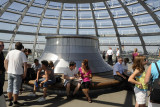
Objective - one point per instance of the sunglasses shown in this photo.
(1, 45)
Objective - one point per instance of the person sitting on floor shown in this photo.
(120, 75)
(70, 75)
(47, 79)
(86, 75)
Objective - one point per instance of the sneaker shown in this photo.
(31, 95)
(41, 99)
(10, 103)
(17, 104)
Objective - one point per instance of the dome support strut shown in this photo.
(135, 25)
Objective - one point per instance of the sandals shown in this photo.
(89, 100)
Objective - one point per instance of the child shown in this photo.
(139, 74)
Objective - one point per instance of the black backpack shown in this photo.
(155, 92)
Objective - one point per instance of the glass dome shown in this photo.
(117, 23)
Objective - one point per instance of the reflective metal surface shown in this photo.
(61, 49)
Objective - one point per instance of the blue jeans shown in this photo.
(14, 83)
(45, 84)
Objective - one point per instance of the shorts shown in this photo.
(85, 85)
(73, 82)
(140, 95)
(45, 84)
(14, 83)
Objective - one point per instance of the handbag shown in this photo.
(155, 92)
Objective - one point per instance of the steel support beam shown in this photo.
(59, 19)
(153, 15)
(6, 7)
(115, 26)
(18, 24)
(94, 19)
(38, 28)
(77, 30)
(135, 25)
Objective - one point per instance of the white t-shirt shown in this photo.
(16, 58)
(109, 52)
(117, 54)
(70, 73)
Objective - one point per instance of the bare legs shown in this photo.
(44, 91)
(15, 96)
(140, 105)
(86, 93)
(76, 89)
(68, 88)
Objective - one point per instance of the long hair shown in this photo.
(85, 62)
(135, 50)
(138, 63)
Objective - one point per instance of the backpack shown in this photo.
(155, 92)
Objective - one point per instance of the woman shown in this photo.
(152, 71)
(86, 75)
(134, 54)
(139, 74)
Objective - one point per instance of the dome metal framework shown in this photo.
(101, 18)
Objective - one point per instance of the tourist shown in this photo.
(48, 79)
(109, 55)
(104, 55)
(14, 61)
(86, 75)
(152, 72)
(137, 78)
(51, 65)
(117, 54)
(134, 54)
(125, 64)
(2, 69)
(2, 75)
(27, 52)
(120, 75)
(70, 76)
(36, 65)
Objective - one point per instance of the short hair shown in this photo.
(72, 63)
(36, 60)
(44, 62)
(18, 46)
(119, 57)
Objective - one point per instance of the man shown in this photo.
(70, 76)
(120, 75)
(14, 61)
(109, 55)
(2, 75)
(47, 79)
(36, 65)
(117, 54)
